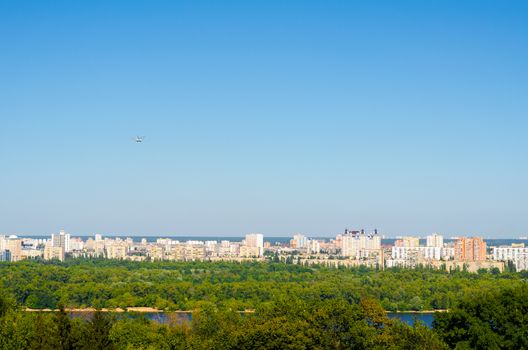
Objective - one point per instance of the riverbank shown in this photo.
(90, 309)
(138, 309)
(418, 311)
(180, 316)
(144, 309)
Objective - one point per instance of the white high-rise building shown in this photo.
(3, 242)
(76, 244)
(516, 254)
(357, 244)
(435, 240)
(61, 240)
(434, 253)
(299, 241)
(255, 240)
(14, 245)
(349, 246)
(313, 246)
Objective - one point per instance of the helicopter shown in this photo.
(139, 139)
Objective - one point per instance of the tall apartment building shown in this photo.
(299, 241)
(61, 240)
(53, 252)
(255, 240)
(5, 255)
(249, 252)
(357, 244)
(76, 243)
(516, 254)
(184, 252)
(433, 253)
(227, 249)
(116, 250)
(313, 246)
(14, 245)
(95, 246)
(435, 240)
(470, 249)
(3, 242)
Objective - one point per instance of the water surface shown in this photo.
(411, 318)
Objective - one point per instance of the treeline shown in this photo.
(295, 307)
(483, 320)
(487, 320)
(286, 324)
(105, 283)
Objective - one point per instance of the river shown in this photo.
(410, 318)
(180, 317)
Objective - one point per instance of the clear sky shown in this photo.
(264, 116)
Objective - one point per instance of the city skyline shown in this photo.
(383, 235)
(277, 116)
(349, 248)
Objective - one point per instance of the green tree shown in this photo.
(98, 331)
(487, 319)
(5, 305)
(41, 332)
(65, 337)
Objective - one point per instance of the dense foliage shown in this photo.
(293, 307)
(181, 285)
(286, 324)
(487, 320)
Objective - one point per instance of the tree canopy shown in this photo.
(291, 306)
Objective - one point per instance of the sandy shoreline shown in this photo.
(140, 309)
(90, 309)
(417, 311)
(144, 309)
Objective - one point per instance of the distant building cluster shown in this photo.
(61, 245)
(516, 254)
(355, 248)
(408, 252)
(350, 248)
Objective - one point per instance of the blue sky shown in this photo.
(264, 116)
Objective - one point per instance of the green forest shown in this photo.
(295, 307)
(106, 283)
